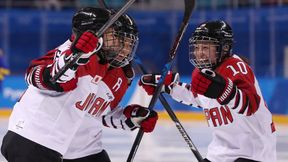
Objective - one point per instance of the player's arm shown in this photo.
(236, 90)
(41, 70)
(246, 100)
(179, 91)
(131, 117)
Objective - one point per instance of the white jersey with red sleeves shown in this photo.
(88, 138)
(53, 118)
(241, 129)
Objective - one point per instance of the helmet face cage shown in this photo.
(119, 47)
(203, 57)
(120, 42)
(214, 33)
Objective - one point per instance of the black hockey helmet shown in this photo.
(120, 42)
(89, 18)
(216, 32)
(116, 39)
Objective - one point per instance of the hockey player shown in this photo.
(225, 87)
(86, 145)
(47, 117)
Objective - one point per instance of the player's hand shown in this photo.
(140, 117)
(67, 81)
(149, 82)
(60, 60)
(87, 43)
(210, 84)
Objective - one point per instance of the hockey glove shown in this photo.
(149, 82)
(88, 43)
(210, 84)
(140, 117)
(67, 81)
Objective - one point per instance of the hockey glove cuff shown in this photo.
(212, 85)
(149, 82)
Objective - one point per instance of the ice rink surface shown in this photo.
(166, 144)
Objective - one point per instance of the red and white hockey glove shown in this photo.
(60, 60)
(40, 77)
(68, 80)
(140, 117)
(88, 43)
(210, 84)
(149, 82)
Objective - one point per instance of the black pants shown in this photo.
(238, 160)
(100, 157)
(16, 148)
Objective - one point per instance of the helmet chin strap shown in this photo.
(105, 56)
(101, 55)
(224, 51)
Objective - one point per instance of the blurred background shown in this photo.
(30, 28)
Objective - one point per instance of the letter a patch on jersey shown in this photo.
(117, 85)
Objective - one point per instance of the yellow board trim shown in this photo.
(4, 113)
(181, 115)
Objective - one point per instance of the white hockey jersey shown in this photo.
(88, 138)
(51, 118)
(241, 129)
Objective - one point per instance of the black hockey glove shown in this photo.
(210, 84)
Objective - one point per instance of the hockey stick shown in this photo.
(99, 33)
(189, 5)
(173, 116)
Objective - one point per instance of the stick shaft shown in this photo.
(173, 116)
(180, 128)
(189, 6)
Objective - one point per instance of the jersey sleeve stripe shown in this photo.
(122, 126)
(244, 104)
(104, 121)
(112, 123)
(237, 100)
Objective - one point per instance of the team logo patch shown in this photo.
(96, 79)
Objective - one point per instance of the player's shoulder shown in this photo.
(116, 80)
(114, 75)
(233, 61)
(235, 66)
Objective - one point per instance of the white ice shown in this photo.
(166, 144)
